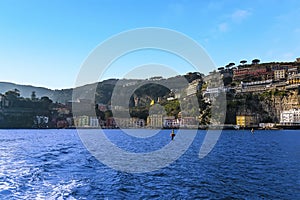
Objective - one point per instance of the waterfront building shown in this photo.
(110, 122)
(266, 125)
(129, 122)
(170, 122)
(123, 122)
(245, 120)
(290, 117)
(155, 121)
(94, 122)
(189, 122)
(140, 123)
(81, 121)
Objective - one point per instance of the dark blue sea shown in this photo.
(54, 164)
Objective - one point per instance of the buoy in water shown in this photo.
(172, 134)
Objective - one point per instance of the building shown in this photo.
(110, 123)
(140, 123)
(262, 73)
(210, 94)
(294, 79)
(256, 86)
(81, 121)
(279, 74)
(290, 117)
(41, 121)
(245, 120)
(292, 71)
(94, 122)
(155, 121)
(266, 125)
(189, 122)
(123, 122)
(170, 122)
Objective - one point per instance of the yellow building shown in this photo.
(81, 121)
(245, 120)
(294, 79)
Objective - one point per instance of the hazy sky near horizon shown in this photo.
(44, 43)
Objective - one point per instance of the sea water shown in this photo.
(54, 164)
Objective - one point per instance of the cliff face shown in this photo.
(266, 106)
(277, 102)
(289, 101)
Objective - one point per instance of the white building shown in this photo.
(291, 116)
(94, 122)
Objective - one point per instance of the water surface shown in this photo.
(54, 164)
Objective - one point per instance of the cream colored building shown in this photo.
(155, 121)
(279, 74)
(81, 121)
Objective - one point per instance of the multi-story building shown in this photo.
(170, 122)
(292, 71)
(94, 122)
(279, 74)
(155, 121)
(245, 120)
(294, 79)
(256, 86)
(81, 121)
(262, 73)
(291, 116)
(140, 123)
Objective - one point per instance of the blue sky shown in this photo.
(44, 43)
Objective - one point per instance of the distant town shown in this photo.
(258, 95)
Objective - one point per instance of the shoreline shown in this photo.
(165, 128)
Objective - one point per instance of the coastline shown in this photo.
(279, 127)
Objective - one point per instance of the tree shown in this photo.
(12, 96)
(46, 102)
(243, 62)
(33, 96)
(230, 65)
(255, 61)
